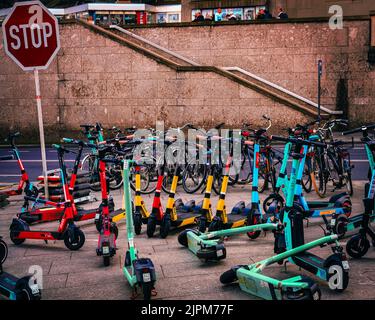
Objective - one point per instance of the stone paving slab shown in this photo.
(81, 274)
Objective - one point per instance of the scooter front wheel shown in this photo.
(74, 241)
(357, 246)
(151, 227)
(165, 225)
(147, 288)
(229, 276)
(106, 261)
(137, 220)
(3, 251)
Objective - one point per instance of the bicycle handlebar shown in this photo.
(61, 148)
(361, 129)
(80, 142)
(298, 141)
(3, 158)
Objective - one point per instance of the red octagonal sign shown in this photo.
(31, 35)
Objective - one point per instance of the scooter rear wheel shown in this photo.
(340, 226)
(311, 293)
(357, 246)
(252, 221)
(76, 242)
(182, 237)
(342, 275)
(16, 227)
(24, 292)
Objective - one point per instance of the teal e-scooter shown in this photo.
(338, 205)
(289, 244)
(210, 246)
(139, 272)
(14, 288)
(359, 244)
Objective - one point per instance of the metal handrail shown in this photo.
(311, 103)
(176, 55)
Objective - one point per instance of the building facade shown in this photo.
(248, 9)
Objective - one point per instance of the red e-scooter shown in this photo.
(24, 183)
(54, 211)
(108, 230)
(67, 231)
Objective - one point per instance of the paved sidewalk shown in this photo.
(81, 275)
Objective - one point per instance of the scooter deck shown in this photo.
(185, 218)
(311, 263)
(7, 284)
(236, 220)
(118, 215)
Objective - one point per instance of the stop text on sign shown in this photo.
(31, 35)
(38, 34)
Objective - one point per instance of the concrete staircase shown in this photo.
(236, 74)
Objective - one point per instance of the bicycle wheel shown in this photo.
(348, 182)
(148, 175)
(194, 176)
(263, 175)
(306, 178)
(317, 177)
(90, 165)
(114, 174)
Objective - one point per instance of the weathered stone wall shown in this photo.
(97, 79)
(287, 54)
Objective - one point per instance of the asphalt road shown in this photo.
(31, 158)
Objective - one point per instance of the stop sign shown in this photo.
(31, 35)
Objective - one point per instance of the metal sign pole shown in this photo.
(41, 131)
(320, 72)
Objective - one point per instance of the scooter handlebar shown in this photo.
(361, 129)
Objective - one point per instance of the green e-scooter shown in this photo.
(139, 272)
(289, 244)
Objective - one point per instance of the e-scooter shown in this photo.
(173, 216)
(14, 288)
(359, 244)
(108, 231)
(289, 244)
(139, 272)
(73, 237)
(54, 210)
(339, 204)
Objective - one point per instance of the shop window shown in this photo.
(174, 17)
(161, 18)
(130, 19)
(249, 13)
